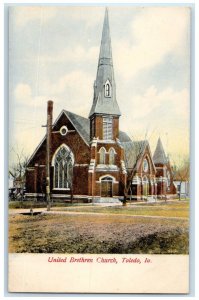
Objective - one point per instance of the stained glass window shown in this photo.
(63, 168)
(111, 156)
(102, 155)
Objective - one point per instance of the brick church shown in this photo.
(90, 158)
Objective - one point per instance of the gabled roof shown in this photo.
(123, 137)
(82, 125)
(159, 156)
(133, 150)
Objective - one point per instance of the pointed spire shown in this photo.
(105, 49)
(159, 156)
(104, 100)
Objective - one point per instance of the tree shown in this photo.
(133, 154)
(182, 172)
(18, 168)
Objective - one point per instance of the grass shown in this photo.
(97, 234)
(175, 209)
(39, 204)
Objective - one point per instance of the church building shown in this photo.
(90, 158)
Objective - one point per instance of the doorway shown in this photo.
(107, 187)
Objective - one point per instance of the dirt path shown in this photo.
(111, 214)
(44, 211)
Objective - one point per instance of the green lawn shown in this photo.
(168, 209)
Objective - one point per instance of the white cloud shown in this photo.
(23, 95)
(22, 92)
(90, 15)
(76, 82)
(25, 14)
(73, 91)
(159, 113)
(163, 111)
(155, 33)
(78, 54)
(176, 101)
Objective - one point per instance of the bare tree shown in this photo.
(182, 172)
(18, 168)
(133, 154)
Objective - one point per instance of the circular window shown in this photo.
(63, 130)
(145, 165)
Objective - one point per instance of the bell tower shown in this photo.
(107, 173)
(105, 112)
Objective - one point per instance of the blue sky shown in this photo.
(53, 54)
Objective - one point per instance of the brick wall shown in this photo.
(35, 177)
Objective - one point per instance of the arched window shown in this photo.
(145, 165)
(107, 89)
(145, 186)
(63, 168)
(111, 156)
(102, 155)
(168, 179)
(92, 128)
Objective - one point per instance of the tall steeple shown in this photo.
(104, 99)
(159, 156)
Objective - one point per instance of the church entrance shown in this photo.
(107, 187)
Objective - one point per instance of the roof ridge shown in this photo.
(67, 111)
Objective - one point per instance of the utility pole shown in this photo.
(48, 151)
(48, 163)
